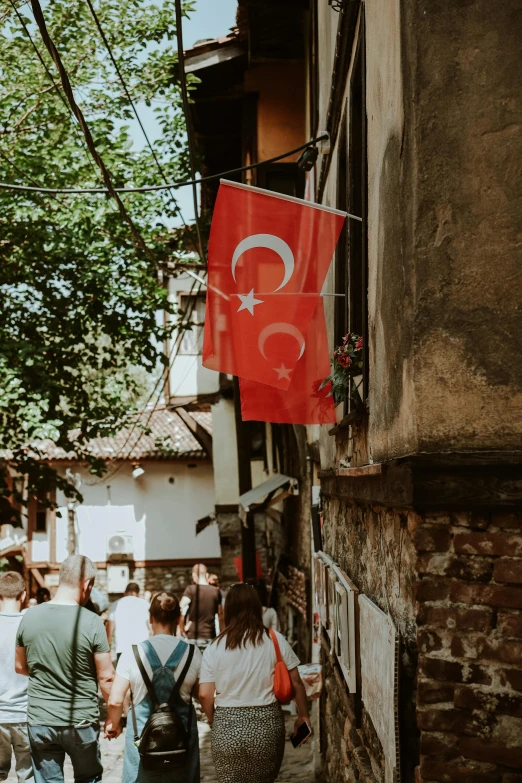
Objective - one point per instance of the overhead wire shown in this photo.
(64, 77)
(132, 104)
(49, 74)
(185, 317)
(181, 184)
(188, 122)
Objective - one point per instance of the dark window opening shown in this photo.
(286, 178)
(40, 524)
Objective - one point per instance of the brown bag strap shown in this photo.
(276, 645)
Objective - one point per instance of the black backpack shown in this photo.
(164, 741)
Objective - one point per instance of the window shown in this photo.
(192, 340)
(285, 178)
(40, 520)
(351, 263)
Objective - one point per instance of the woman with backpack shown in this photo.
(239, 690)
(161, 742)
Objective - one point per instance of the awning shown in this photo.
(263, 491)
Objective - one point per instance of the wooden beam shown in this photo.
(37, 575)
(203, 437)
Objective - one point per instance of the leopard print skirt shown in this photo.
(248, 743)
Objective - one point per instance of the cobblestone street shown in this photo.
(297, 764)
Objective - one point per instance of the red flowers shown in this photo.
(359, 344)
(347, 361)
(344, 360)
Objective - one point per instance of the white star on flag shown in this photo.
(248, 302)
(283, 373)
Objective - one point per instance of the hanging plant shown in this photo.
(347, 362)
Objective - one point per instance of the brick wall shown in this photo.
(469, 637)
(452, 583)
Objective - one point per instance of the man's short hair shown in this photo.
(76, 570)
(199, 571)
(133, 587)
(12, 585)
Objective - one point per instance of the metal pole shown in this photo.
(248, 532)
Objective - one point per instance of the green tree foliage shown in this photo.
(79, 300)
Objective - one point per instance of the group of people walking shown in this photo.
(56, 658)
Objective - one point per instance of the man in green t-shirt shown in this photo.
(62, 647)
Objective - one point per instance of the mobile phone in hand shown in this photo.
(302, 734)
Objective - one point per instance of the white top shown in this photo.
(13, 686)
(164, 644)
(244, 677)
(130, 616)
(270, 618)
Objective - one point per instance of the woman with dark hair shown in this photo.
(237, 693)
(163, 657)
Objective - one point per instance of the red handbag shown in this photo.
(283, 686)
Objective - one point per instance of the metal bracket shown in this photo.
(324, 145)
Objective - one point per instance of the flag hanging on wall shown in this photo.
(267, 261)
(304, 402)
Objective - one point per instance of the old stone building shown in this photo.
(417, 582)
(421, 480)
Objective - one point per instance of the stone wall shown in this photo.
(469, 638)
(452, 582)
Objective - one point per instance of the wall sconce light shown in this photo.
(137, 472)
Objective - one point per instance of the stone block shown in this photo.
(508, 569)
(429, 641)
(469, 568)
(511, 678)
(442, 745)
(469, 698)
(508, 520)
(486, 595)
(454, 721)
(432, 768)
(454, 671)
(432, 590)
(431, 539)
(433, 692)
(492, 544)
(493, 752)
(510, 624)
(452, 617)
(503, 650)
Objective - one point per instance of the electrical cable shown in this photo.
(172, 357)
(188, 121)
(133, 106)
(152, 188)
(40, 21)
(49, 74)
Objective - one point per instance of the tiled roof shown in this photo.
(160, 435)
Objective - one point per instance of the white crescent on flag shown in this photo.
(271, 242)
(280, 328)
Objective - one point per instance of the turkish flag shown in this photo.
(303, 402)
(268, 258)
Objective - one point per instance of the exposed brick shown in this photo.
(488, 544)
(511, 678)
(453, 671)
(510, 623)
(429, 641)
(433, 692)
(469, 698)
(444, 746)
(512, 777)
(452, 773)
(431, 539)
(437, 519)
(432, 590)
(482, 750)
(488, 595)
(471, 519)
(452, 617)
(471, 569)
(503, 650)
(455, 721)
(507, 520)
(508, 569)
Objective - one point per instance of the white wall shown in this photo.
(224, 448)
(160, 515)
(188, 377)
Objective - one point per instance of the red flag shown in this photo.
(268, 257)
(303, 402)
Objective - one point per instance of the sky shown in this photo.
(210, 19)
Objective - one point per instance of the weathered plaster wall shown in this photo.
(463, 67)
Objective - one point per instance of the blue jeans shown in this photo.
(49, 744)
